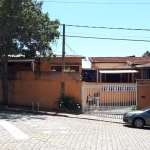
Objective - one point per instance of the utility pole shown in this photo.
(63, 49)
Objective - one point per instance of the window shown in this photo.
(75, 68)
(59, 68)
(146, 73)
(56, 68)
(10, 64)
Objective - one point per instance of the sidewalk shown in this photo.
(45, 112)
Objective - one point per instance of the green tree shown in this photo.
(146, 54)
(24, 29)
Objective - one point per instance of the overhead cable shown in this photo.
(105, 35)
(71, 49)
(134, 40)
(95, 3)
(106, 27)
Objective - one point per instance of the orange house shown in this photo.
(112, 80)
(73, 63)
(40, 81)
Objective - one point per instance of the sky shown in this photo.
(129, 15)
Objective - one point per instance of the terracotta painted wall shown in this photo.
(45, 87)
(46, 66)
(143, 96)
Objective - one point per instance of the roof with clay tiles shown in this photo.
(129, 60)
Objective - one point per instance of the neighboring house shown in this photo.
(117, 69)
(113, 82)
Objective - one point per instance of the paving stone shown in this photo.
(54, 133)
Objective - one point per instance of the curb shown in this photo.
(55, 114)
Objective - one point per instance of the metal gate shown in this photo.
(108, 98)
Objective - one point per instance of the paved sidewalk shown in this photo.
(27, 131)
(79, 116)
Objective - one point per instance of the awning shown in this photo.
(117, 71)
(143, 66)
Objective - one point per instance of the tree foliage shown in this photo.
(28, 28)
(24, 29)
(146, 54)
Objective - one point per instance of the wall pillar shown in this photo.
(97, 76)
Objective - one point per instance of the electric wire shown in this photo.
(75, 53)
(96, 3)
(57, 47)
(100, 27)
(112, 28)
(71, 49)
(133, 40)
(105, 35)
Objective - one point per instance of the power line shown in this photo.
(71, 49)
(95, 3)
(79, 26)
(133, 40)
(57, 47)
(75, 53)
(99, 27)
(106, 35)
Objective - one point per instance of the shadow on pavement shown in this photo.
(144, 128)
(15, 116)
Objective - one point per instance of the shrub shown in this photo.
(68, 103)
(133, 107)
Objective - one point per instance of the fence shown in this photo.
(110, 98)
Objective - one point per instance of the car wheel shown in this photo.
(138, 123)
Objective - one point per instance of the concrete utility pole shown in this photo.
(63, 49)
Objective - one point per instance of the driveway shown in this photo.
(43, 132)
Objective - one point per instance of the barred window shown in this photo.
(146, 73)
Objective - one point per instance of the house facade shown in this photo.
(73, 63)
(40, 82)
(117, 69)
(111, 83)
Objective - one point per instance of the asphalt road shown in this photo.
(41, 132)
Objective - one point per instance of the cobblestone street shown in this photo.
(42, 132)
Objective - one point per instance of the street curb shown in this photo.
(54, 114)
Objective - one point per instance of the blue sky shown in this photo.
(104, 15)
